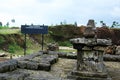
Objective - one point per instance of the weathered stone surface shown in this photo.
(3, 76)
(104, 42)
(86, 78)
(101, 42)
(13, 64)
(52, 59)
(9, 65)
(46, 58)
(32, 65)
(89, 74)
(112, 58)
(30, 56)
(80, 75)
(31, 78)
(89, 32)
(59, 72)
(40, 62)
(74, 56)
(13, 75)
(53, 47)
(118, 50)
(22, 64)
(69, 55)
(91, 23)
(44, 66)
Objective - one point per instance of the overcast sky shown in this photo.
(55, 11)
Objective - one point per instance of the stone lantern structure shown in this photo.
(89, 55)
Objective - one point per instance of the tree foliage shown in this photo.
(0, 23)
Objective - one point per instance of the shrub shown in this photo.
(64, 43)
(13, 47)
(2, 40)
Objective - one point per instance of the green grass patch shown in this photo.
(2, 40)
(12, 48)
(9, 31)
(64, 43)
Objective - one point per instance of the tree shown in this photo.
(64, 22)
(75, 24)
(0, 23)
(103, 24)
(7, 24)
(13, 20)
(115, 24)
(61, 23)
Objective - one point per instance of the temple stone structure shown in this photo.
(89, 55)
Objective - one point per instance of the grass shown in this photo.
(15, 49)
(66, 50)
(31, 46)
(9, 31)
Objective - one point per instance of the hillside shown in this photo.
(11, 40)
(66, 32)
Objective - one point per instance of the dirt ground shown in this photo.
(61, 69)
(3, 59)
(64, 66)
(113, 69)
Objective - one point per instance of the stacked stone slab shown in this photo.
(9, 70)
(89, 56)
(118, 50)
(31, 78)
(9, 65)
(14, 75)
(52, 47)
(68, 55)
(39, 62)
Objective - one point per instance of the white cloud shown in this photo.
(116, 12)
(55, 11)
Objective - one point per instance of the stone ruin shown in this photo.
(91, 23)
(52, 47)
(118, 50)
(89, 55)
(89, 60)
(17, 69)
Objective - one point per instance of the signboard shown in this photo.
(34, 29)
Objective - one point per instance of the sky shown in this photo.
(52, 12)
